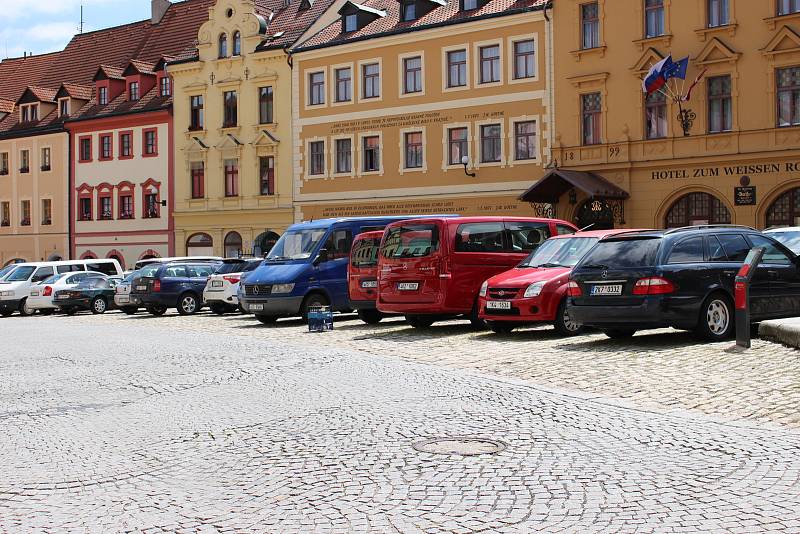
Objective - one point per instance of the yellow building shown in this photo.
(620, 159)
(232, 116)
(393, 96)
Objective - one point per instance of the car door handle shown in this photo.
(729, 273)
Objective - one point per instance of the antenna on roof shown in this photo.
(80, 27)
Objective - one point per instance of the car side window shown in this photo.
(735, 246)
(480, 237)
(772, 254)
(43, 273)
(564, 230)
(175, 271)
(338, 244)
(715, 250)
(200, 271)
(75, 278)
(64, 269)
(687, 251)
(526, 237)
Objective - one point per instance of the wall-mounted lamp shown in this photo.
(465, 162)
(163, 203)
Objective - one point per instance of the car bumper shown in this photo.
(126, 301)
(73, 303)
(530, 310)
(38, 303)
(220, 296)
(7, 305)
(652, 312)
(363, 304)
(281, 306)
(157, 300)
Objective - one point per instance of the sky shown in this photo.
(40, 26)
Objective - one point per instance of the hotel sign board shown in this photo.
(744, 196)
(725, 170)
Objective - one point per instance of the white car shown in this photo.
(5, 271)
(789, 236)
(41, 295)
(222, 287)
(122, 295)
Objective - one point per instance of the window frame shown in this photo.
(794, 98)
(101, 139)
(660, 8)
(270, 177)
(650, 106)
(498, 141)
(710, 99)
(48, 211)
(534, 54)
(795, 8)
(320, 156)
(126, 190)
(197, 179)
(230, 175)
(230, 109)
(722, 7)
(419, 147)
(335, 86)
(122, 135)
(418, 74)
(592, 23)
(480, 60)
(363, 137)
(462, 66)
(515, 135)
(145, 132)
(336, 152)
(134, 91)
(196, 112)
(316, 88)
(25, 219)
(24, 160)
(46, 159)
(105, 191)
(362, 66)
(450, 143)
(266, 104)
(597, 122)
(84, 140)
(164, 86)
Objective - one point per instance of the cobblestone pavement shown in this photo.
(136, 424)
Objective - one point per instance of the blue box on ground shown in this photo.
(320, 319)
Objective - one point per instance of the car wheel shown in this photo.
(619, 333)
(420, 321)
(130, 311)
(716, 321)
(157, 310)
(6, 313)
(24, 309)
(314, 299)
(370, 316)
(267, 319)
(500, 328)
(99, 306)
(46, 311)
(218, 308)
(563, 324)
(187, 304)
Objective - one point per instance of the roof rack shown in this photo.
(706, 226)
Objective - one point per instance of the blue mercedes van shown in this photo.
(307, 267)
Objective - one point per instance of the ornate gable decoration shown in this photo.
(785, 41)
(716, 52)
(650, 57)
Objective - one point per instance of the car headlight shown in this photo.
(282, 288)
(484, 288)
(534, 290)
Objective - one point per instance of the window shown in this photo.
(164, 85)
(45, 158)
(105, 211)
(697, 208)
(63, 107)
(150, 143)
(338, 244)
(785, 7)
(527, 236)
(720, 109)
(25, 161)
(343, 84)
(344, 161)
(133, 91)
(3, 163)
(198, 179)
(457, 68)
(480, 237)
(350, 23)
(102, 95)
(85, 209)
(412, 75)
(151, 205)
(125, 145)
(788, 96)
(469, 4)
(687, 251)
(718, 13)
(230, 120)
(372, 155)
(316, 88)
(525, 140)
(715, 250)
(231, 178)
(457, 141)
(590, 26)
(237, 43)
(29, 113)
(772, 254)
(735, 246)
(265, 102)
(85, 147)
(409, 10)
(372, 80)
(5, 214)
(233, 249)
(105, 147)
(413, 150)
(591, 107)
(25, 212)
(490, 63)
(126, 206)
(654, 18)
(316, 157)
(655, 109)
(196, 116)
(524, 59)
(222, 47)
(491, 143)
(266, 174)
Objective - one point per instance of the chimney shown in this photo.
(157, 9)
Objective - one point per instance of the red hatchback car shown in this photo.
(432, 269)
(535, 291)
(362, 276)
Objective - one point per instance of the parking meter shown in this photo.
(742, 296)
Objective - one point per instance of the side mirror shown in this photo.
(322, 257)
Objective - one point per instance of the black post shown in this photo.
(742, 296)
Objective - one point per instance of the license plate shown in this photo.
(370, 284)
(498, 305)
(34, 293)
(62, 296)
(408, 286)
(141, 288)
(124, 300)
(610, 289)
(216, 283)
(255, 307)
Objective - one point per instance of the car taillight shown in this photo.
(47, 291)
(573, 289)
(653, 286)
(232, 279)
(157, 285)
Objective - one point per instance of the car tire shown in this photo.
(188, 304)
(218, 308)
(500, 327)
(129, 311)
(267, 319)
(619, 333)
(157, 310)
(6, 313)
(474, 317)
(99, 306)
(24, 310)
(314, 299)
(420, 321)
(717, 319)
(563, 325)
(47, 311)
(370, 316)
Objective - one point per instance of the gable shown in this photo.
(786, 40)
(650, 57)
(717, 52)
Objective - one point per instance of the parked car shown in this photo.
(141, 263)
(683, 278)
(222, 288)
(432, 268)
(5, 271)
(123, 299)
(42, 293)
(535, 291)
(362, 276)
(180, 285)
(789, 236)
(307, 267)
(94, 293)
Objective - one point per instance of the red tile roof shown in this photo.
(6, 106)
(391, 24)
(176, 34)
(291, 20)
(82, 92)
(44, 94)
(17, 73)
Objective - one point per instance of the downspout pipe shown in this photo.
(551, 127)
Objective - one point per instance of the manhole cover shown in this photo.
(460, 446)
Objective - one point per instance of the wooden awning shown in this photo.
(558, 181)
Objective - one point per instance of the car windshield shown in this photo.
(622, 253)
(130, 277)
(791, 239)
(564, 252)
(6, 270)
(232, 267)
(149, 270)
(20, 274)
(297, 244)
(365, 253)
(55, 278)
(410, 241)
(251, 266)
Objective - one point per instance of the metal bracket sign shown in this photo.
(742, 296)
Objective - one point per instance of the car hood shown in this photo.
(11, 285)
(523, 277)
(280, 273)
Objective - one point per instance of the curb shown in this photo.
(785, 331)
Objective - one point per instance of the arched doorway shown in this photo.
(785, 210)
(233, 245)
(594, 214)
(200, 245)
(697, 208)
(264, 243)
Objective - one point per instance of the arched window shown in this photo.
(233, 245)
(785, 211)
(223, 45)
(200, 245)
(697, 208)
(88, 255)
(151, 199)
(264, 242)
(237, 43)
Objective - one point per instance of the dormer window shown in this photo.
(468, 5)
(305, 5)
(102, 96)
(133, 91)
(357, 16)
(223, 46)
(29, 113)
(237, 43)
(63, 107)
(164, 86)
(409, 10)
(350, 23)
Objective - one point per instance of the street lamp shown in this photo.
(465, 162)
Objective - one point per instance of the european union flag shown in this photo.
(676, 69)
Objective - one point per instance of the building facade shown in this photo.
(422, 107)
(620, 159)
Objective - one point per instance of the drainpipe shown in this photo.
(551, 126)
(70, 207)
(288, 56)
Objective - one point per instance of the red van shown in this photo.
(432, 269)
(535, 291)
(362, 276)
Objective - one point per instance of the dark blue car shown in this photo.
(173, 285)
